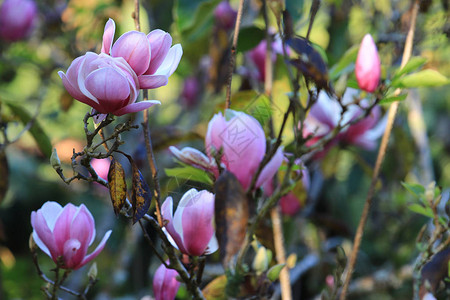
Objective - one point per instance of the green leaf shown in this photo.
(36, 130)
(189, 173)
(425, 211)
(274, 272)
(249, 38)
(425, 78)
(414, 188)
(194, 17)
(345, 64)
(413, 64)
(389, 100)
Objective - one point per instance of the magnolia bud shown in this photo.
(17, 18)
(54, 160)
(225, 15)
(368, 67)
(92, 274)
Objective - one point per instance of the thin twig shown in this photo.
(380, 157)
(233, 53)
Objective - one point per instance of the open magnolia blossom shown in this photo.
(107, 84)
(65, 234)
(150, 56)
(242, 141)
(165, 283)
(191, 229)
(325, 115)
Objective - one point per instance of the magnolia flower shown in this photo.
(150, 56)
(243, 142)
(325, 115)
(65, 234)
(108, 84)
(368, 67)
(190, 93)
(17, 18)
(191, 228)
(225, 15)
(165, 283)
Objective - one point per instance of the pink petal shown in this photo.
(70, 249)
(271, 168)
(43, 222)
(82, 229)
(170, 63)
(63, 225)
(160, 42)
(167, 213)
(108, 84)
(108, 36)
(152, 81)
(197, 221)
(165, 283)
(135, 107)
(134, 47)
(97, 250)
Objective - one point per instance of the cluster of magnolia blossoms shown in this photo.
(65, 234)
(241, 141)
(110, 81)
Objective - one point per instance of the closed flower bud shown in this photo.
(165, 283)
(225, 15)
(191, 227)
(368, 67)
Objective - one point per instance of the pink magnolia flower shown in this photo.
(150, 56)
(108, 84)
(165, 283)
(17, 18)
(191, 228)
(225, 15)
(243, 142)
(325, 115)
(368, 67)
(66, 233)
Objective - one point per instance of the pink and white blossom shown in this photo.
(107, 84)
(368, 66)
(191, 228)
(65, 234)
(150, 56)
(165, 283)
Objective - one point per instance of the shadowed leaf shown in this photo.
(231, 215)
(310, 63)
(215, 290)
(117, 185)
(4, 175)
(141, 196)
(435, 271)
(250, 37)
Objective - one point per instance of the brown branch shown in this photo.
(380, 157)
(233, 53)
